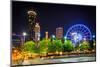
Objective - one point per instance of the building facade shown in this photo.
(37, 32)
(59, 32)
(31, 24)
(46, 35)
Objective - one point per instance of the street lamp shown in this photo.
(93, 36)
(24, 34)
(53, 36)
(65, 38)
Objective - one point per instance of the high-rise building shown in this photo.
(37, 32)
(46, 35)
(31, 23)
(59, 32)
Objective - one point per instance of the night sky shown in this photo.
(51, 16)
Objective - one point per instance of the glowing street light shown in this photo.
(65, 38)
(53, 36)
(93, 36)
(24, 34)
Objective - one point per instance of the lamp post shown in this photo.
(65, 38)
(52, 37)
(24, 34)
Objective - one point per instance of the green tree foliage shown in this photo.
(84, 46)
(68, 46)
(51, 47)
(91, 44)
(55, 45)
(43, 46)
(58, 44)
(30, 46)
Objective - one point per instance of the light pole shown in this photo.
(53, 36)
(24, 34)
(65, 38)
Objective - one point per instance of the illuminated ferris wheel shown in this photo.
(78, 32)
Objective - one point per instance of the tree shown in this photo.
(68, 46)
(91, 44)
(58, 44)
(84, 46)
(43, 46)
(30, 46)
(55, 46)
(51, 47)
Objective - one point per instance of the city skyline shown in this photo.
(52, 16)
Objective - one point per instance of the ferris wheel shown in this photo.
(78, 32)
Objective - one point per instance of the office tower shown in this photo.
(59, 32)
(46, 35)
(37, 32)
(31, 23)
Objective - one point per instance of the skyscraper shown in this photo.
(37, 32)
(31, 23)
(59, 32)
(46, 35)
